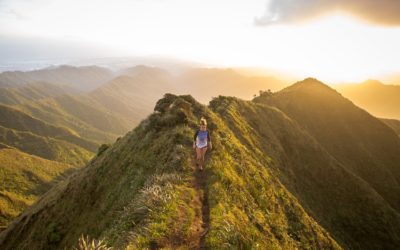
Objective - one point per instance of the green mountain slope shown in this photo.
(45, 147)
(15, 119)
(29, 138)
(362, 143)
(344, 204)
(23, 178)
(32, 91)
(269, 183)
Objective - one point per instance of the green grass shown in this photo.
(142, 190)
(272, 183)
(45, 147)
(250, 208)
(15, 119)
(23, 179)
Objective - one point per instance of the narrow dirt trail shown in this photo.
(200, 185)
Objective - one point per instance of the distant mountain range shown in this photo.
(80, 78)
(301, 168)
(377, 98)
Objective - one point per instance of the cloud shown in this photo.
(382, 12)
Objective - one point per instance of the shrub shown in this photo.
(85, 243)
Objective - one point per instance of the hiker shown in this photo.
(201, 142)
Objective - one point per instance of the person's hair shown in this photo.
(203, 121)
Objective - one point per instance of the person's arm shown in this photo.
(194, 139)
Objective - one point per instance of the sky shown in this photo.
(342, 40)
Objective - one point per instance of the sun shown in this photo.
(334, 48)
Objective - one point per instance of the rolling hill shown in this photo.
(45, 147)
(36, 137)
(293, 169)
(78, 113)
(17, 120)
(31, 163)
(31, 92)
(23, 179)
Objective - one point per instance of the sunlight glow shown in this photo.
(336, 48)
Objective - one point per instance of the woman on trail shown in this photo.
(201, 142)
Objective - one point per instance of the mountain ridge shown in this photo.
(271, 180)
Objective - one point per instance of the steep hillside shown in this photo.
(345, 205)
(377, 98)
(268, 184)
(23, 178)
(32, 142)
(82, 114)
(45, 147)
(15, 119)
(80, 78)
(31, 92)
(362, 143)
(78, 114)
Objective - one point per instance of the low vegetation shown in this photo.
(24, 178)
(272, 181)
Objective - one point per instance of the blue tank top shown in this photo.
(201, 138)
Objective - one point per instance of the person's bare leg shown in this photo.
(203, 153)
(198, 156)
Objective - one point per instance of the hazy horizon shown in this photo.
(335, 41)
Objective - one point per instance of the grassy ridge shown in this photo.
(23, 178)
(278, 177)
(17, 120)
(45, 147)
